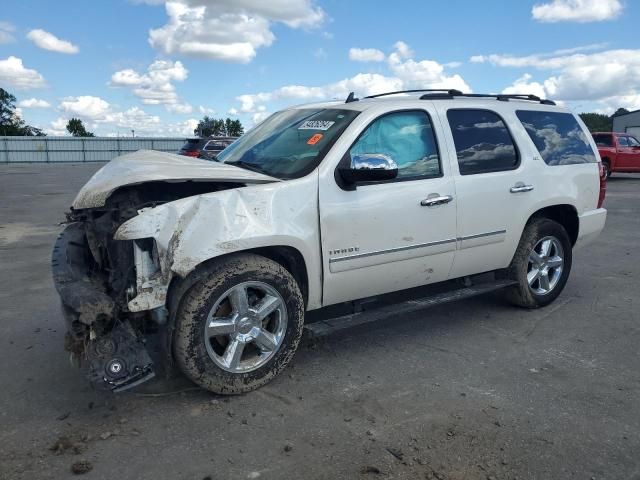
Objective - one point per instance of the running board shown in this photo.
(322, 328)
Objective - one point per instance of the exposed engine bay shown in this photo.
(96, 278)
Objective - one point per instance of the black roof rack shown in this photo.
(445, 93)
(501, 97)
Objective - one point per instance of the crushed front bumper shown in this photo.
(99, 334)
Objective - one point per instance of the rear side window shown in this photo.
(623, 142)
(558, 137)
(483, 142)
(603, 140)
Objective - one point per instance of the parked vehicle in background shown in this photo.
(214, 146)
(619, 152)
(319, 205)
(206, 148)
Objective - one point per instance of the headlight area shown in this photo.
(150, 291)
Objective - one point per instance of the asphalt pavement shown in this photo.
(471, 390)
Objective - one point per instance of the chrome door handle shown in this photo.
(432, 201)
(521, 187)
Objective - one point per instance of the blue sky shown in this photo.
(158, 66)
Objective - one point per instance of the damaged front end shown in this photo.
(99, 280)
(113, 285)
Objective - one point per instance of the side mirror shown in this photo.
(369, 167)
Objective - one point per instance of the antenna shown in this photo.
(351, 98)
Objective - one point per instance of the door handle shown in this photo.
(521, 187)
(436, 199)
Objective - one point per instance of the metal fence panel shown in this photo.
(74, 149)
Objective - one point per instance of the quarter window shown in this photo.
(483, 142)
(407, 138)
(557, 136)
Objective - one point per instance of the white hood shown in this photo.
(152, 166)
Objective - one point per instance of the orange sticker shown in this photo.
(314, 139)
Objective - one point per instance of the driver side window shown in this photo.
(633, 142)
(408, 139)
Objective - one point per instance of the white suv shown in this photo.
(213, 265)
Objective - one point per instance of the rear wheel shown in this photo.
(239, 325)
(606, 169)
(541, 265)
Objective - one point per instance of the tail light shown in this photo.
(603, 185)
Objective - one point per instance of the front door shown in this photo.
(390, 235)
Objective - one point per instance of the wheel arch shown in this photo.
(289, 257)
(565, 214)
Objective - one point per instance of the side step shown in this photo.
(322, 328)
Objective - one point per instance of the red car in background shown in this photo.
(620, 152)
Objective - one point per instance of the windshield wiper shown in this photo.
(248, 166)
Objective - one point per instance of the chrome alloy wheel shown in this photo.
(546, 262)
(245, 327)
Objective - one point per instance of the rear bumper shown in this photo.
(591, 225)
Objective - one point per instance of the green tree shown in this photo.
(76, 128)
(597, 122)
(218, 127)
(10, 121)
(620, 111)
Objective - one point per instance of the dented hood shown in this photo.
(152, 166)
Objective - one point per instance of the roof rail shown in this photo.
(446, 91)
(502, 97)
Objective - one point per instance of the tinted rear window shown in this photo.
(603, 140)
(483, 142)
(558, 137)
(191, 144)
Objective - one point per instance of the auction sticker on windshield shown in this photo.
(316, 125)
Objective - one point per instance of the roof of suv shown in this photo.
(414, 97)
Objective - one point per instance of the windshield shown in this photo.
(289, 144)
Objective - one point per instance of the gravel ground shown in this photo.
(472, 390)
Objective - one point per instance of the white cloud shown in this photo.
(97, 113)
(34, 103)
(366, 55)
(577, 11)
(6, 30)
(233, 111)
(14, 73)
(49, 41)
(155, 86)
(229, 30)
(406, 73)
(206, 110)
(524, 85)
(86, 106)
(604, 80)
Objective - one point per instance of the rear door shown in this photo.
(494, 184)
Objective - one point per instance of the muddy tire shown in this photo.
(541, 264)
(239, 324)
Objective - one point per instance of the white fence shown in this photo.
(74, 149)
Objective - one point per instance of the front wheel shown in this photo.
(239, 325)
(541, 265)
